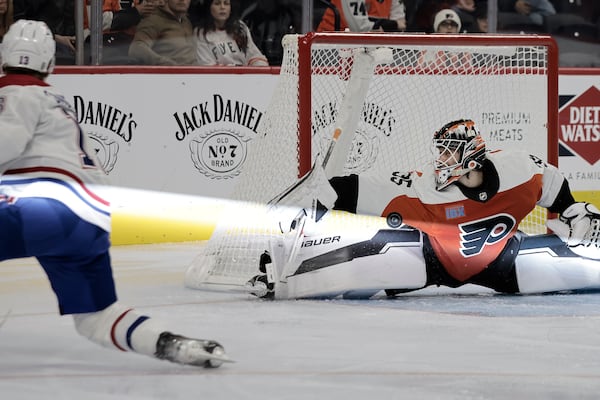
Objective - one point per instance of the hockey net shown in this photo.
(507, 84)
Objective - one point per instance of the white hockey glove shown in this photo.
(578, 225)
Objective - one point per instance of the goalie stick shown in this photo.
(334, 159)
(349, 113)
(350, 110)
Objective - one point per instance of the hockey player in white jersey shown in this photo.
(455, 222)
(50, 207)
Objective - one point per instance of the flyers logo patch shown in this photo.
(475, 235)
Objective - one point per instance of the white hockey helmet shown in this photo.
(458, 148)
(29, 45)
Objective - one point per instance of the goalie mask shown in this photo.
(458, 148)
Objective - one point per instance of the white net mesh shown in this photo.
(503, 86)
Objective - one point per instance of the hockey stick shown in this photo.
(348, 116)
(351, 108)
(337, 132)
(340, 144)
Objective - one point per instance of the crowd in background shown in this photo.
(249, 32)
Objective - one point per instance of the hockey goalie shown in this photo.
(453, 223)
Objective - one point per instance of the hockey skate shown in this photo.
(183, 350)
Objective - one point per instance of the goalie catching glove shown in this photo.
(578, 225)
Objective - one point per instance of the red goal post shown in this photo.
(508, 84)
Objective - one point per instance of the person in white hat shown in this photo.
(446, 21)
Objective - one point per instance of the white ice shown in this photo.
(433, 344)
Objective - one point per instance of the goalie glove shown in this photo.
(579, 224)
(312, 189)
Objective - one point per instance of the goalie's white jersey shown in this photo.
(43, 152)
(468, 228)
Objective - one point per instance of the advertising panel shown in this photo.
(579, 133)
(181, 133)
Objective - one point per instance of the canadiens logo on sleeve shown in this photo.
(475, 235)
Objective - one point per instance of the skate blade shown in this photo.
(216, 360)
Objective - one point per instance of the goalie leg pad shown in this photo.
(350, 266)
(553, 267)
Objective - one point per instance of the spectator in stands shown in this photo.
(466, 12)
(472, 14)
(534, 10)
(390, 12)
(223, 38)
(119, 25)
(269, 21)
(481, 18)
(354, 19)
(354, 16)
(446, 21)
(421, 18)
(59, 16)
(6, 16)
(165, 37)
(116, 18)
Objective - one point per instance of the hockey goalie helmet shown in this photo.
(458, 148)
(29, 45)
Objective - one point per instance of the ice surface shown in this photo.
(433, 344)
